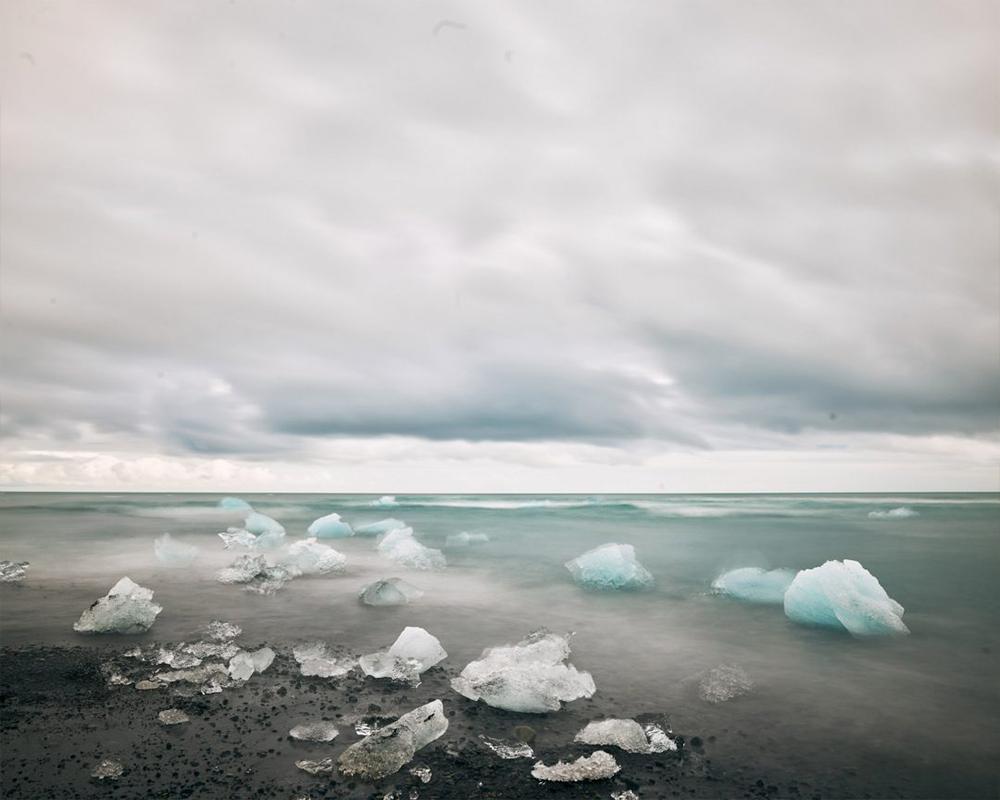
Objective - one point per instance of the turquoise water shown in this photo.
(928, 701)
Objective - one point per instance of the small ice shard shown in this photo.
(626, 734)
(117, 679)
(173, 716)
(723, 683)
(595, 767)
(402, 547)
(465, 538)
(221, 631)
(414, 652)
(894, 513)
(624, 794)
(126, 608)
(178, 658)
(610, 566)
(330, 527)
(380, 527)
(12, 571)
(321, 731)
(385, 501)
(309, 557)
(324, 767)
(530, 676)
(235, 504)
(659, 742)
(507, 750)
(237, 537)
(390, 592)
(173, 553)
(391, 747)
(423, 774)
(108, 770)
(315, 659)
(755, 585)
(843, 595)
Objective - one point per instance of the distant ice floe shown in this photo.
(902, 512)
(846, 596)
(330, 527)
(627, 735)
(755, 585)
(401, 546)
(595, 767)
(380, 527)
(465, 538)
(388, 749)
(235, 504)
(414, 652)
(12, 571)
(126, 608)
(610, 566)
(173, 553)
(385, 501)
(389, 592)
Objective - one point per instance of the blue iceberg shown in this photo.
(755, 585)
(235, 504)
(610, 566)
(846, 596)
(330, 527)
(269, 532)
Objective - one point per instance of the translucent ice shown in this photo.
(256, 574)
(465, 538)
(844, 595)
(414, 652)
(385, 501)
(893, 513)
(244, 664)
(723, 683)
(222, 631)
(422, 774)
(402, 547)
(108, 770)
(755, 585)
(610, 566)
(320, 731)
(238, 537)
(626, 734)
(235, 503)
(529, 676)
(126, 608)
(330, 527)
(387, 749)
(323, 767)
(380, 527)
(389, 592)
(12, 571)
(178, 658)
(309, 557)
(269, 532)
(595, 767)
(173, 716)
(507, 750)
(173, 553)
(316, 659)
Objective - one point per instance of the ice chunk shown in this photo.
(595, 767)
(894, 513)
(401, 546)
(628, 735)
(144, 685)
(269, 532)
(386, 750)
(316, 659)
(202, 674)
(465, 538)
(223, 650)
(414, 652)
(323, 767)
(238, 537)
(723, 683)
(173, 553)
(380, 527)
(507, 750)
(309, 557)
(12, 571)
(385, 501)
(422, 774)
(530, 676)
(108, 770)
(222, 631)
(844, 595)
(235, 504)
(246, 663)
(126, 608)
(330, 527)
(610, 566)
(390, 592)
(320, 731)
(178, 658)
(173, 716)
(624, 794)
(256, 574)
(755, 585)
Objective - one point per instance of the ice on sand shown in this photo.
(245, 663)
(843, 595)
(610, 566)
(173, 716)
(322, 767)
(330, 527)
(595, 767)
(269, 532)
(315, 659)
(320, 731)
(380, 527)
(388, 749)
(755, 585)
(530, 676)
(12, 571)
(238, 537)
(465, 538)
(385, 501)
(126, 608)
(507, 750)
(628, 735)
(724, 682)
(108, 770)
(235, 504)
(894, 513)
(220, 631)
(414, 652)
(402, 547)
(422, 774)
(390, 592)
(309, 557)
(174, 553)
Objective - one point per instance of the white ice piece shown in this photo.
(315, 659)
(12, 571)
(309, 557)
(628, 735)
(126, 608)
(237, 537)
(414, 652)
(401, 546)
(610, 566)
(319, 731)
(595, 767)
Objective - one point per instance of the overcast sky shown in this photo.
(546, 246)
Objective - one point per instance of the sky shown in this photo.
(539, 246)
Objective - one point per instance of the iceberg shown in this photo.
(402, 547)
(389, 592)
(385, 501)
(610, 566)
(894, 513)
(330, 527)
(12, 571)
(126, 608)
(380, 527)
(846, 596)
(315, 659)
(269, 532)
(755, 585)
(309, 557)
(173, 553)
(628, 735)
(595, 767)
(414, 652)
(723, 683)
(388, 749)
(235, 504)
(465, 538)
(320, 731)
(238, 537)
(529, 677)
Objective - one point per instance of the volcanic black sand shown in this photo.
(59, 720)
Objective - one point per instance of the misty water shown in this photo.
(925, 704)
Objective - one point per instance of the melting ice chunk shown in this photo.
(610, 566)
(529, 676)
(12, 571)
(414, 652)
(893, 513)
(380, 527)
(628, 735)
(321, 731)
(723, 683)
(309, 557)
(269, 532)
(126, 608)
(256, 574)
(507, 750)
(235, 503)
(843, 595)
(390, 592)
(174, 553)
(322, 767)
(595, 767)
(237, 537)
(385, 501)
(402, 547)
(316, 659)
(108, 770)
(465, 538)
(244, 664)
(330, 527)
(173, 716)
(386, 750)
(755, 585)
